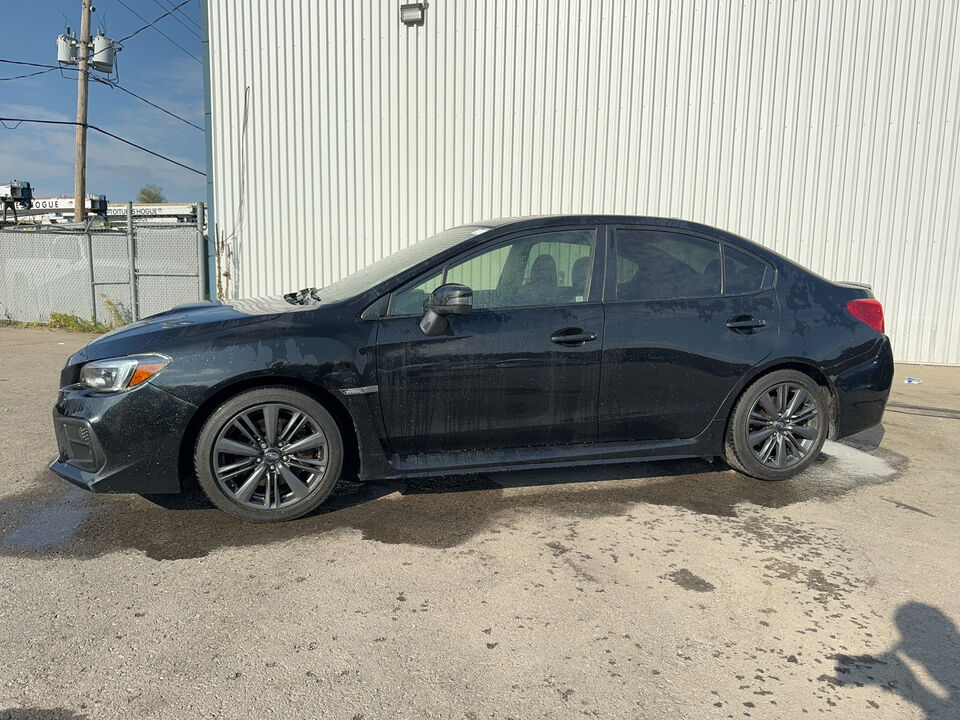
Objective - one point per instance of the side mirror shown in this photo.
(446, 300)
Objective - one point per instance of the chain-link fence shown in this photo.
(110, 276)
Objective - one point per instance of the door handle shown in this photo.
(572, 336)
(745, 323)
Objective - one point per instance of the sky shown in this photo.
(149, 65)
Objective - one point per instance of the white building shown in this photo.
(829, 131)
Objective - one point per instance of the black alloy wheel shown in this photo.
(269, 455)
(778, 426)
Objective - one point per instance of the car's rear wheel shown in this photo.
(778, 426)
(269, 455)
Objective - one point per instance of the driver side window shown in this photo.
(410, 301)
(541, 269)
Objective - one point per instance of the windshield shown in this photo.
(386, 268)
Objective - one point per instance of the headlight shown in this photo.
(120, 373)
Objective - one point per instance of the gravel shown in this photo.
(661, 590)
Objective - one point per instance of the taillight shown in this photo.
(867, 310)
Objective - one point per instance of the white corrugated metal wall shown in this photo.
(829, 131)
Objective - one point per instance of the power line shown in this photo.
(146, 150)
(153, 25)
(5, 120)
(102, 82)
(184, 14)
(148, 23)
(102, 21)
(118, 86)
(27, 64)
(26, 75)
(177, 18)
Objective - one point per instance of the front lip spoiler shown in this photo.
(74, 476)
(86, 480)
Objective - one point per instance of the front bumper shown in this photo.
(127, 442)
(862, 391)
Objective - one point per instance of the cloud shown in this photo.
(38, 154)
(44, 155)
(179, 76)
(32, 111)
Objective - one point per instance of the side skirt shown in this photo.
(471, 461)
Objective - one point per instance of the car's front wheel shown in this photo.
(269, 455)
(778, 426)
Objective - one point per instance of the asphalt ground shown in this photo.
(658, 590)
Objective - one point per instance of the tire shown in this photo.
(778, 426)
(249, 471)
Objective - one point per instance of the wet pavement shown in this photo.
(54, 518)
(668, 589)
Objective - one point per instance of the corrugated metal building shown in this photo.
(829, 131)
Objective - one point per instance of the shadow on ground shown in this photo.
(923, 668)
(50, 518)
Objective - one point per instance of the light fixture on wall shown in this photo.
(412, 13)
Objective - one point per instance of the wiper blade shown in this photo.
(302, 297)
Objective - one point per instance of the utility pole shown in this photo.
(83, 77)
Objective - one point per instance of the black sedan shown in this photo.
(531, 342)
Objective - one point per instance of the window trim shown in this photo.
(596, 283)
(766, 267)
(610, 276)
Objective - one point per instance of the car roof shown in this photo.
(509, 224)
(498, 227)
(522, 222)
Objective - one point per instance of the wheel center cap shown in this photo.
(780, 425)
(271, 456)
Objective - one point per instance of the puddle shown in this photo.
(47, 526)
(51, 518)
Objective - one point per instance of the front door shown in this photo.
(679, 332)
(522, 370)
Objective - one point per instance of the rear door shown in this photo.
(686, 316)
(523, 369)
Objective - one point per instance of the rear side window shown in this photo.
(652, 264)
(743, 273)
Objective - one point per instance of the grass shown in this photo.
(72, 323)
(61, 321)
(119, 316)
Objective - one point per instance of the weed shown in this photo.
(119, 315)
(62, 321)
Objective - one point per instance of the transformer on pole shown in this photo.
(67, 48)
(98, 53)
(104, 52)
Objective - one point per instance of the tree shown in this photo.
(151, 193)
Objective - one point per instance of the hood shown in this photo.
(184, 321)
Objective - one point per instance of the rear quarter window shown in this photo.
(743, 273)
